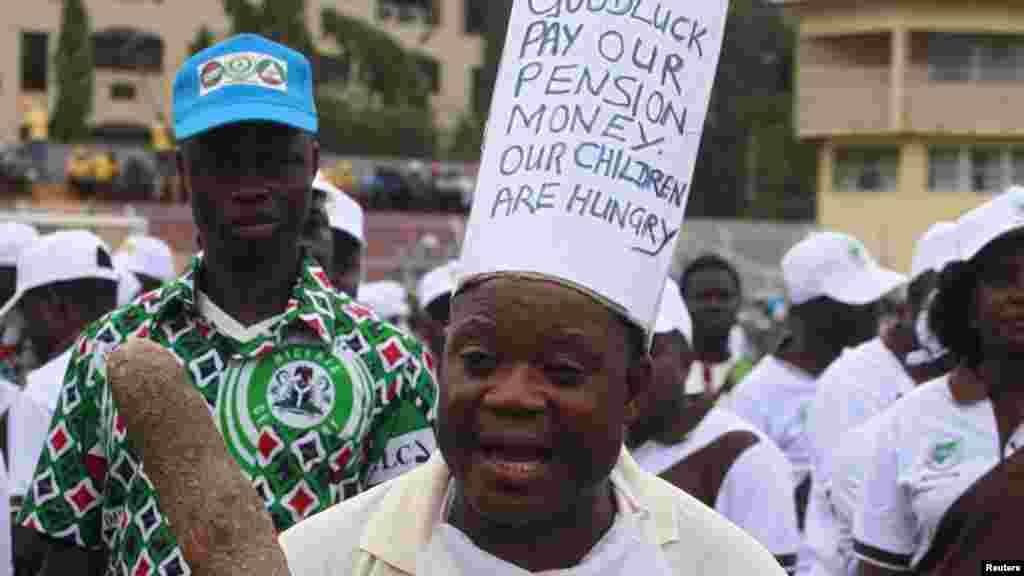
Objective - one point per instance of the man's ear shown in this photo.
(639, 379)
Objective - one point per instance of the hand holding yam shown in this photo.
(215, 514)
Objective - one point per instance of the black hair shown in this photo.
(705, 261)
(952, 309)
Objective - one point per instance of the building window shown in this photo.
(122, 91)
(984, 169)
(128, 50)
(867, 169)
(974, 57)
(476, 15)
(34, 61)
(431, 71)
(409, 11)
(944, 168)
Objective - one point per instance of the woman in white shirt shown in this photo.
(942, 437)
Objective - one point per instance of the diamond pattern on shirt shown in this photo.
(287, 413)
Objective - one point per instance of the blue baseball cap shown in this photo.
(243, 78)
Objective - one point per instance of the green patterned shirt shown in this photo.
(312, 411)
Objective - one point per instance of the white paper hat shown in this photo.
(436, 283)
(343, 213)
(387, 298)
(837, 266)
(979, 227)
(15, 237)
(128, 287)
(59, 257)
(146, 255)
(672, 314)
(935, 248)
(587, 157)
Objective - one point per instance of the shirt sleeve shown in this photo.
(403, 430)
(741, 402)
(64, 498)
(757, 496)
(29, 424)
(884, 530)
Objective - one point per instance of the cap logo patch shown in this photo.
(243, 68)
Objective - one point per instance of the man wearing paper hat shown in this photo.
(833, 285)
(66, 280)
(345, 218)
(323, 379)
(708, 452)
(859, 384)
(433, 295)
(546, 358)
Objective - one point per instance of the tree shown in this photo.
(750, 162)
(201, 41)
(74, 68)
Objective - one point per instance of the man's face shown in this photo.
(671, 357)
(713, 299)
(859, 323)
(532, 398)
(999, 299)
(250, 188)
(347, 271)
(44, 317)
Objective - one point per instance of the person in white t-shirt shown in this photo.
(861, 383)
(65, 281)
(939, 439)
(713, 292)
(348, 230)
(710, 453)
(14, 238)
(834, 285)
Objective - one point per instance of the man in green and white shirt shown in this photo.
(310, 390)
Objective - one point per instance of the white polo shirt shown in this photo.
(930, 449)
(831, 512)
(775, 398)
(30, 418)
(757, 491)
(6, 562)
(858, 385)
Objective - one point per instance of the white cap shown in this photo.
(837, 266)
(436, 283)
(935, 248)
(59, 257)
(979, 227)
(672, 314)
(387, 298)
(343, 213)
(15, 237)
(146, 255)
(128, 287)
(597, 211)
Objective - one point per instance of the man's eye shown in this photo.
(564, 374)
(478, 363)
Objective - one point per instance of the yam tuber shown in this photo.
(217, 517)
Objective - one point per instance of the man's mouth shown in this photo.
(516, 463)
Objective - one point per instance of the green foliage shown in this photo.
(353, 130)
(74, 69)
(467, 140)
(201, 41)
(390, 73)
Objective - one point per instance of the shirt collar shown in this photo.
(405, 520)
(311, 306)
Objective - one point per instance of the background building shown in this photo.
(139, 45)
(915, 105)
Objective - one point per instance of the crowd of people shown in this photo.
(509, 422)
